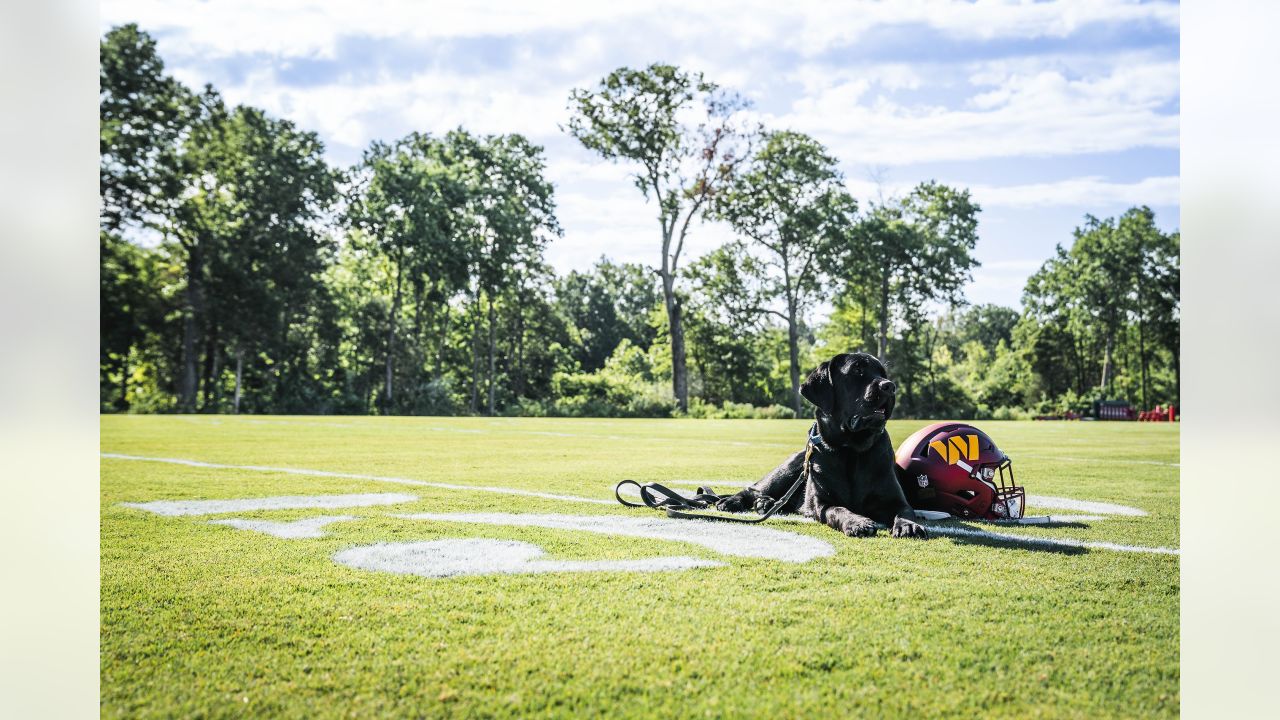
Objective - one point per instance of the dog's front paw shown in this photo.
(858, 527)
(735, 503)
(907, 528)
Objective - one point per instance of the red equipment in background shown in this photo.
(1160, 414)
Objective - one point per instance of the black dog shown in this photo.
(852, 484)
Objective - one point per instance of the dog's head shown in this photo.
(856, 396)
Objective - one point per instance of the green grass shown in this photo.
(207, 620)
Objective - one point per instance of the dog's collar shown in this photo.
(815, 439)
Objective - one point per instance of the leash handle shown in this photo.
(674, 503)
(675, 508)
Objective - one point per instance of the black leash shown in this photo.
(676, 505)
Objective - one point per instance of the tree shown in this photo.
(908, 253)
(143, 116)
(987, 325)
(510, 216)
(1155, 295)
(264, 275)
(1117, 284)
(639, 116)
(409, 204)
(789, 202)
(131, 282)
(608, 304)
(732, 348)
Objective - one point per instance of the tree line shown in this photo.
(240, 272)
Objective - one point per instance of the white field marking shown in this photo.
(725, 538)
(359, 476)
(1089, 506)
(476, 556)
(305, 528)
(282, 502)
(1037, 500)
(1050, 542)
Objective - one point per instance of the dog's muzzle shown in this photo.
(876, 400)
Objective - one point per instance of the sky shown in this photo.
(1045, 111)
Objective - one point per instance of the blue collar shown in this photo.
(815, 439)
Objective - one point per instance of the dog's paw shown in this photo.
(907, 528)
(735, 503)
(859, 527)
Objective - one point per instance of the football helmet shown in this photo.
(956, 468)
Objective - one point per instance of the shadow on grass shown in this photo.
(966, 534)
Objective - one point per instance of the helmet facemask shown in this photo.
(1010, 499)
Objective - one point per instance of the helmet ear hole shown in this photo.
(967, 494)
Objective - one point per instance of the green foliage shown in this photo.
(624, 387)
(143, 118)
(241, 273)
(729, 410)
(790, 204)
(607, 305)
(641, 117)
(1105, 310)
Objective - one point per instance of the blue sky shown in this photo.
(1046, 110)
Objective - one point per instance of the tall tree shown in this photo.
(732, 347)
(1118, 280)
(909, 253)
(409, 202)
(511, 216)
(265, 274)
(143, 115)
(639, 116)
(199, 223)
(790, 203)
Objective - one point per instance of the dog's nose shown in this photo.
(880, 391)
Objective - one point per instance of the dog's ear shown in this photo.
(817, 388)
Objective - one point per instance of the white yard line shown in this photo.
(1087, 506)
(174, 508)
(304, 528)
(501, 430)
(480, 556)
(613, 520)
(360, 476)
(750, 541)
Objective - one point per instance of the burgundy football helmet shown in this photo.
(956, 468)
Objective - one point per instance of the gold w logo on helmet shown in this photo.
(957, 448)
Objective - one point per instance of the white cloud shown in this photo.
(1089, 191)
(311, 28)
(617, 222)
(1000, 282)
(1082, 192)
(1040, 113)
(429, 101)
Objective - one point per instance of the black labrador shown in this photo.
(852, 483)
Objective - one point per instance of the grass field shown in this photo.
(202, 619)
